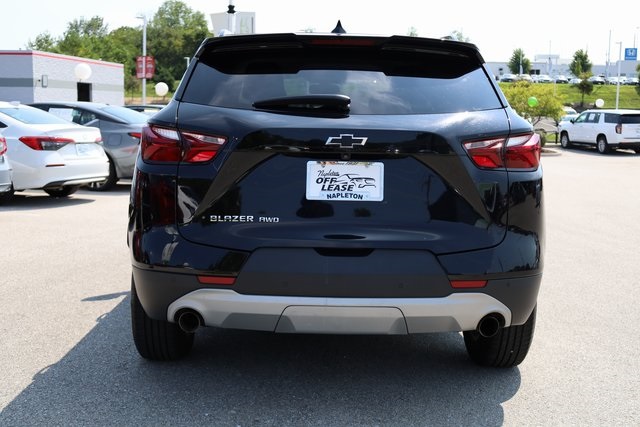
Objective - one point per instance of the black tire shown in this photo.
(564, 140)
(601, 145)
(108, 183)
(506, 349)
(157, 339)
(637, 150)
(6, 196)
(62, 191)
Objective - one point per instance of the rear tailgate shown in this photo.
(84, 142)
(630, 128)
(340, 142)
(295, 184)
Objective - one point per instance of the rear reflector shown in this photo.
(217, 280)
(3, 146)
(468, 284)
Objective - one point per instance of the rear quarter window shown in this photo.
(611, 118)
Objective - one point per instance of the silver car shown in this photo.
(120, 127)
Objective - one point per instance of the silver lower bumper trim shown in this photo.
(228, 309)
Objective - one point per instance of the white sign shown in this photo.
(345, 181)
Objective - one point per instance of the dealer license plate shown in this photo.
(345, 181)
(86, 150)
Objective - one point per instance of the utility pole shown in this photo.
(144, 57)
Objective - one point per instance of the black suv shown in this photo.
(341, 184)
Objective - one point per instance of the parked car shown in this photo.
(604, 129)
(5, 172)
(569, 114)
(631, 81)
(508, 78)
(342, 184)
(613, 80)
(120, 128)
(561, 79)
(525, 77)
(49, 153)
(543, 78)
(597, 80)
(575, 81)
(148, 109)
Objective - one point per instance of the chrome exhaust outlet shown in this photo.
(490, 325)
(188, 320)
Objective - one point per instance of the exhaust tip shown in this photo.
(490, 325)
(189, 320)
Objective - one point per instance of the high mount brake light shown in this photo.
(45, 143)
(515, 152)
(159, 144)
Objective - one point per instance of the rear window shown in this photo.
(377, 81)
(127, 114)
(630, 119)
(32, 116)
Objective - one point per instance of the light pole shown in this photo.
(618, 82)
(144, 57)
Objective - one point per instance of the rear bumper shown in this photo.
(164, 294)
(228, 309)
(5, 180)
(71, 173)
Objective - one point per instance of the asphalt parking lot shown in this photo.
(68, 359)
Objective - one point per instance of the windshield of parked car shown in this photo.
(376, 81)
(32, 116)
(126, 114)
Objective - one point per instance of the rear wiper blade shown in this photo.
(307, 104)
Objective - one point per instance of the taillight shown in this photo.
(201, 148)
(515, 152)
(3, 145)
(136, 135)
(48, 143)
(619, 128)
(523, 151)
(160, 144)
(486, 153)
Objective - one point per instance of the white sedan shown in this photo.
(5, 171)
(49, 153)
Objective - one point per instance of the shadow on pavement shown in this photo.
(251, 378)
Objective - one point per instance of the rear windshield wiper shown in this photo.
(314, 105)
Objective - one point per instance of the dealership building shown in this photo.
(33, 76)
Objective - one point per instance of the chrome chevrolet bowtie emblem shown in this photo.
(346, 140)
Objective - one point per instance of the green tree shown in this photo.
(638, 85)
(580, 64)
(457, 35)
(585, 87)
(85, 38)
(517, 61)
(44, 42)
(175, 32)
(546, 104)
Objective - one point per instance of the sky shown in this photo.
(539, 27)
